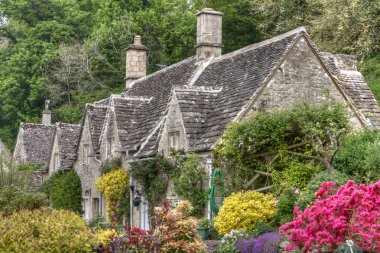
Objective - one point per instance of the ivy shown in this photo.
(111, 165)
(189, 180)
(153, 176)
(64, 191)
(274, 142)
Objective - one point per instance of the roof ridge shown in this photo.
(261, 43)
(161, 71)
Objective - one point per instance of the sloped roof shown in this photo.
(96, 114)
(157, 86)
(67, 137)
(37, 142)
(213, 93)
(354, 85)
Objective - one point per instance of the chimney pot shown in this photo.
(137, 40)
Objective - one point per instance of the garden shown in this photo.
(295, 180)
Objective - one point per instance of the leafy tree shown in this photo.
(358, 156)
(302, 135)
(64, 191)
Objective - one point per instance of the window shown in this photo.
(174, 140)
(109, 147)
(95, 207)
(56, 161)
(86, 153)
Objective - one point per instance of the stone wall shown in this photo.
(88, 170)
(173, 125)
(301, 78)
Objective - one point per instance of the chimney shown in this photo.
(46, 114)
(209, 33)
(135, 61)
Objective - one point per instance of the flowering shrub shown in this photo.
(176, 230)
(265, 243)
(352, 213)
(114, 185)
(228, 242)
(242, 210)
(45, 230)
(307, 195)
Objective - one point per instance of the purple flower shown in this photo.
(267, 243)
(246, 245)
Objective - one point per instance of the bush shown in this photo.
(64, 191)
(265, 243)
(295, 176)
(115, 186)
(228, 242)
(111, 165)
(265, 139)
(285, 206)
(188, 181)
(176, 230)
(358, 156)
(13, 199)
(45, 230)
(351, 213)
(242, 210)
(307, 196)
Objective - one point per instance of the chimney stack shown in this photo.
(136, 57)
(209, 33)
(46, 114)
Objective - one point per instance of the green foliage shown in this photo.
(261, 228)
(307, 196)
(98, 222)
(28, 167)
(285, 208)
(295, 176)
(45, 230)
(358, 156)
(370, 68)
(204, 223)
(14, 199)
(189, 181)
(153, 175)
(13, 177)
(111, 165)
(64, 191)
(254, 144)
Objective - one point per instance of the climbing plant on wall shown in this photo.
(190, 182)
(275, 142)
(64, 191)
(153, 176)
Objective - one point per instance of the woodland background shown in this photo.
(72, 51)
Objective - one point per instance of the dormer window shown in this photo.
(174, 140)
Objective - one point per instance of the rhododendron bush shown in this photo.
(352, 213)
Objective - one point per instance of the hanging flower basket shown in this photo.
(136, 201)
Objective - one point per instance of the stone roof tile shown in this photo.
(37, 141)
(68, 137)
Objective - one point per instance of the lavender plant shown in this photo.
(267, 243)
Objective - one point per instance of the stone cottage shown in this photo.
(87, 164)
(189, 104)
